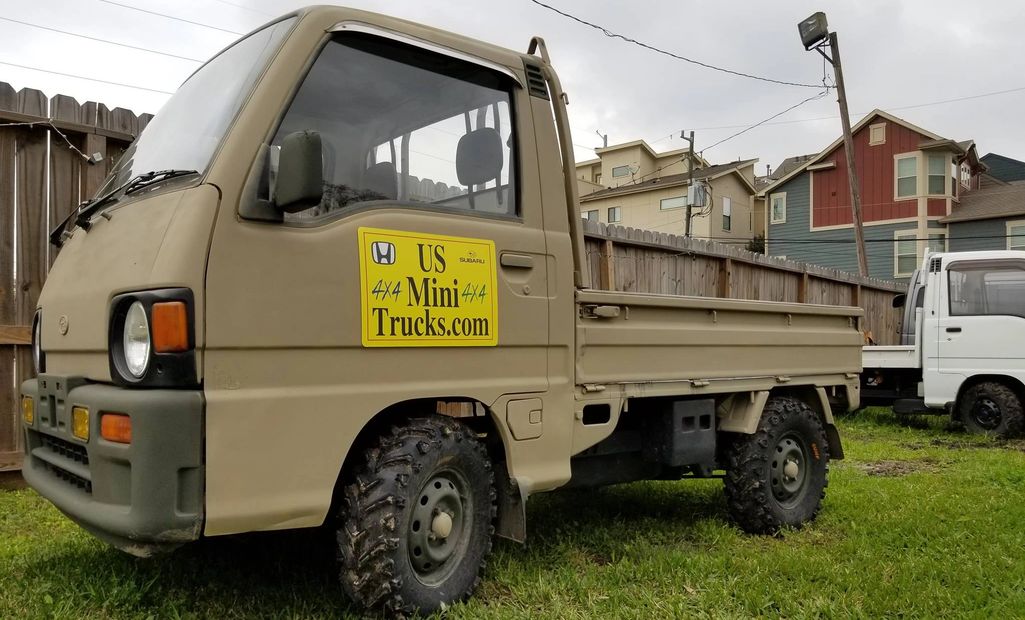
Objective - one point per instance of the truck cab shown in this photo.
(964, 355)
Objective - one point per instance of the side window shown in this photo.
(405, 125)
(998, 290)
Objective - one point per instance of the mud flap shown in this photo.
(512, 507)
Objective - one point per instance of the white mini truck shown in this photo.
(962, 348)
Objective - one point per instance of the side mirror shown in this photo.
(899, 300)
(299, 182)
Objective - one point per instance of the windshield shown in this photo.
(187, 130)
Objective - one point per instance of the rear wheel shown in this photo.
(418, 518)
(777, 476)
(992, 409)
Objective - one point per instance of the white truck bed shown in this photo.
(895, 356)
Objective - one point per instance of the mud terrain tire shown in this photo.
(776, 477)
(417, 519)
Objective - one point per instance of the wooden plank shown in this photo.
(65, 166)
(802, 289)
(16, 334)
(11, 460)
(92, 177)
(606, 272)
(726, 278)
(8, 305)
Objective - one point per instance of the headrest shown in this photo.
(479, 156)
(380, 178)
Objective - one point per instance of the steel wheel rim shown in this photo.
(788, 470)
(986, 413)
(444, 500)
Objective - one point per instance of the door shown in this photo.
(981, 326)
(420, 274)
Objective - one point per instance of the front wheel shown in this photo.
(418, 518)
(777, 476)
(992, 409)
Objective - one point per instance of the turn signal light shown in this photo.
(80, 423)
(116, 427)
(28, 411)
(170, 325)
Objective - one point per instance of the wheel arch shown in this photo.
(741, 414)
(817, 399)
(470, 411)
(1013, 383)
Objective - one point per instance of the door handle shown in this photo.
(953, 330)
(519, 261)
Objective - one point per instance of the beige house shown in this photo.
(629, 163)
(651, 193)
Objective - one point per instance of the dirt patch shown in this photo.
(11, 481)
(957, 444)
(896, 468)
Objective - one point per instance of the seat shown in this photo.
(381, 179)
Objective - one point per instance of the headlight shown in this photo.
(37, 346)
(151, 339)
(136, 340)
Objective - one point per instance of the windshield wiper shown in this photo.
(84, 212)
(149, 178)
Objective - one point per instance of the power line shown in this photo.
(614, 35)
(84, 36)
(82, 77)
(245, 8)
(778, 114)
(165, 16)
(888, 109)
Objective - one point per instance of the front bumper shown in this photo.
(141, 497)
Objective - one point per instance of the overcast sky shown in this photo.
(896, 55)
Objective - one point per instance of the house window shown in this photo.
(966, 176)
(1016, 235)
(907, 177)
(597, 179)
(727, 213)
(778, 208)
(591, 216)
(621, 171)
(877, 134)
(615, 214)
(937, 242)
(905, 252)
(937, 174)
(672, 203)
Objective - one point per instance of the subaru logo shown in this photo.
(383, 252)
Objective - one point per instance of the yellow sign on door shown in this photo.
(423, 290)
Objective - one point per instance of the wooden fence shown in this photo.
(644, 261)
(41, 180)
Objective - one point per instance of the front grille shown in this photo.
(66, 449)
(50, 445)
(69, 477)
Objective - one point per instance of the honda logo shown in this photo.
(383, 252)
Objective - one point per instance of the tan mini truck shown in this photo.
(340, 281)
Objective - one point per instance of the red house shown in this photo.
(909, 177)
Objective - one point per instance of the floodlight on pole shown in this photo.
(815, 35)
(814, 30)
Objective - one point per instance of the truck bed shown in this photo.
(895, 356)
(708, 342)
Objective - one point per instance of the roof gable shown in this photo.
(866, 120)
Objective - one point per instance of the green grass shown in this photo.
(919, 521)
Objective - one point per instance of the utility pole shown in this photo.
(814, 35)
(690, 178)
(604, 139)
